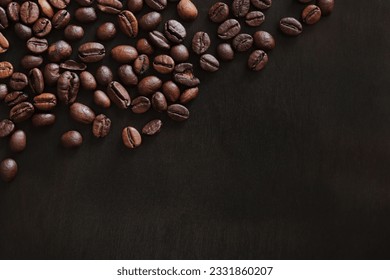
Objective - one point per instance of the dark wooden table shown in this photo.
(289, 163)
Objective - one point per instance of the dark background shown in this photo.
(288, 163)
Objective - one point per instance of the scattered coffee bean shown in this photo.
(59, 50)
(131, 137)
(60, 19)
(81, 113)
(311, 14)
(201, 42)
(73, 32)
(326, 6)
(184, 75)
(219, 12)
(72, 65)
(45, 101)
(42, 27)
(46, 8)
(51, 73)
(149, 85)
(240, 8)
(36, 81)
(179, 53)
(59, 4)
(6, 69)
(175, 31)
(4, 44)
(31, 61)
(257, 60)
(29, 12)
(6, 128)
(87, 81)
(15, 97)
(8, 170)
(135, 5)
(21, 112)
(118, 95)
(18, 141)
(41, 120)
(106, 31)
(101, 99)
(158, 39)
(187, 10)
(18, 81)
(229, 29)
(144, 47)
(124, 53)
(91, 52)
(68, 85)
(290, 26)
(189, 95)
(109, 6)
(71, 139)
(128, 23)
(254, 18)
(242, 42)
(104, 75)
(157, 5)
(178, 112)
(209, 63)
(150, 21)
(163, 64)
(85, 14)
(101, 126)
(159, 102)
(3, 91)
(37, 45)
(13, 11)
(127, 75)
(152, 128)
(140, 105)
(262, 4)
(263, 40)
(24, 32)
(225, 52)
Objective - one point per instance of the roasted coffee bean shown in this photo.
(51, 73)
(262, 4)
(124, 53)
(242, 42)
(225, 52)
(219, 12)
(171, 91)
(29, 12)
(240, 8)
(81, 113)
(257, 60)
(157, 5)
(68, 85)
(127, 75)
(178, 112)
(3, 19)
(59, 50)
(31, 61)
(209, 63)
(184, 75)
(18, 141)
(201, 42)
(85, 14)
(8, 170)
(42, 27)
(101, 99)
(311, 14)
(163, 64)
(6, 69)
(109, 6)
(180, 53)
(6, 128)
(229, 29)
(46, 8)
(36, 81)
(290, 26)
(72, 65)
(101, 126)
(73, 32)
(85, 3)
(187, 10)
(263, 40)
(71, 139)
(87, 81)
(3, 91)
(175, 31)
(13, 10)
(152, 128)
(24, 32)
(118, 95)
(141, 64)
(45, 101)
(18, 81)
(254, 18)
(21, 112)
(131, 137)
(37, 45)
(326, 6)
(40, 120)
(15, 97)
(4, 44)
(60, 19)
(150, 21)
(91, 52)
(59, 4)
(104, 75)
(143, 46)
(189, 95)
(159, 102)
(149, 85)
(140, 105)
(158, 39)
(128, 23)
(135, 5)
(106, 31)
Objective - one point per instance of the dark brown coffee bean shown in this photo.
(141, 64)
(73, 32)
(59, 4)
(101, 99)
(290, 26)
(225, 52)
(171, 91)
(163, 64)
(6, 69)
(18, 141)
(219, 12)
(179, 53)
(242, 42)
(36, 81)
(124, 53)
(187, 10)
(254, 18)
(71, 139)
(21, 112)
(68, 85)
(175, 31)
(150, 21)
(109, 6)
(189, 95)
(157, 5)
(59, 50)
(6, 128)
(24, 32)
(81, 113)
(45, 101)
(4, 44)
(15, 97)
(72, 65)
(184, 75)
(101, 126)
(60, 19)
(158, 39)
(29, 12)
(118, 95)
(85, 14)
(149, 85)
(159, 102)
(3, 91)
(209, 63)
(31, 61)
(128, 23)
(326, 6)
(257, 60)
(263, 40)
(135, 5)
(152, 128)
(106, 31)
(37, 45)
(91, 52)
(144, 47)
(140, 105)
(229, 29)
(46, 8)
(51, 73)
(201, 42)
(40, 120)
(85, 3)
(13, 10)
(240, 8)
(87, 81)
(3, 19)
(262, 4)
(311, 14)
(131, 137)
(8, 170)
(178, 112)
(127, 75)
(18, 81)
(104, 75)
(42, 27)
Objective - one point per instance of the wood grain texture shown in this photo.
(289, 163)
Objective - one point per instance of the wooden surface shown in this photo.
(289, 163)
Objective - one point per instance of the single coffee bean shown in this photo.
(8, 170)
(135, 5)
(152, 128)
(254, 18)
(91, 52)
(311, 14)
(159, 102)
(87, 81)
(101, 126)
(59, 50)
(46, 8)
(140, 105)
(124, 53)
(157, 5)
(149, 85)
(171, 91)
(6, 128)
(219, 12)
(37, 45)
(290, 26)
(42, 27)
(179, 53)
(6, 69)
(13, 10)
(71, 139)
(51, 73)
(31, 61)
(4, 44)
(257, 60)
(326, 6)
(131, 137)
(178, 112)
(85, 3)
(109, 6)
(101, 99)
(73, 32)
(158, 39)
(18, 81)
(144, 47)
(184, 75)
(73, 65)
(163, 64)
(127, 75)
(240, 8)
(85, 14)
(68, 85)
(106, 31)
(118, 95)
(141, 64)
(81, 113)
(29, 12)
(40, 120)
(21, 112)
(15, 97)
(225, 52)
(229, 29)
(263, 40)
(201, 42)
(189, 95)
(104, 75)
(128, 23)
(3, 91)
(150, 21)
(18, 141)
(24, 32)
(59, 4)
(209, 63)
(187, 10)
(36, 80)
(60, 19)
(45, 101)
(242, 42)
(262, 4)
(175, 31)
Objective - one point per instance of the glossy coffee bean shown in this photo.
(37, 45)
(240, 8)
(179, 53)
(51, 73)
(149, 85)
(144, 47)
(45, 101)
(171, 91)
(21, 112)
(106, 31)
(68, 85)
(326, 6)
(184, 74)
(31, 61)
(91, 52)
(6, 128)
(124, 53)
(254, 18)
(101, 126)
(127, 75)
(4, 44)
(59, 50)
(46, 8)
(262, 4)
(81, 113)
(201, 42)
(18, 81)
(41, 120)
(175, 31)
(157, 5)
(42, 27)
(263, 40)
(225, 52)
(150, 21)
(118, 95)
(163, 64)
(87, 81)
(15, 97)
(188, 95)
(85, 14)
(209, 63)
(101, 99)
(242, 42)
(29, 12)
(36, 80)
(290, 26)
(71, 139)
(59, 4)
(141, 64)
(73, 32)
(60, 19)
(6, 69)
(187, 10)
(311, 14)
(159, 40)
(257, 60)
(135, 5)
(131, 137)
(219, 12)
(104, 75)
(13, 10)
(159, 102)
(72, 65)
(18, 141)
(24, 32)
(8, 169)
(3, 91)
(178, 112)
(128, 23)
(152, 128)
(109, 6)
(229, 29)
(140, 105)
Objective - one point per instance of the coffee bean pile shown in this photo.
(156, 66)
